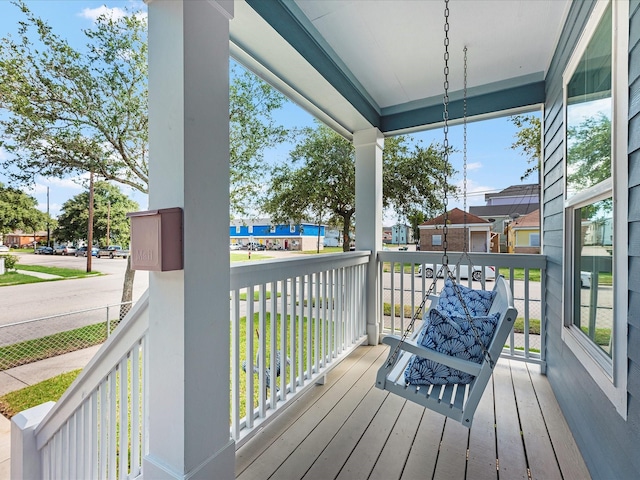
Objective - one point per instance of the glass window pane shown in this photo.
(589, 113)
(534, 240)
(593, 304)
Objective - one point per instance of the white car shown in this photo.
(234, 246)
(489, 272)
(4, 248)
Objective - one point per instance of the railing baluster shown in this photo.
(249, 407)
(123, 456)
(273, 329)
(300, 339)
(135, 412)
(283, 341)
(294, 336)
(113, 397)
(235, 364)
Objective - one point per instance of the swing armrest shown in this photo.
(409, 345)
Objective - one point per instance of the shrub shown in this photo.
(10, 262)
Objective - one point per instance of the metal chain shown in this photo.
(445, 143)
(464, 156)
(444, 269)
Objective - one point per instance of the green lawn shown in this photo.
(14, 278)
(53, 345)
(48, 390)
(244, 256)
(59, 271)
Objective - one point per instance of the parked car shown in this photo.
(489, 272)
(4, 249)
(254, 246)
(82, 252)
(235, 246)
(64, 250)
(44, 251)
(113, 251)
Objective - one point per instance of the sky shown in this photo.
(491, 164)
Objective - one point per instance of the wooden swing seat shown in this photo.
(458, 402)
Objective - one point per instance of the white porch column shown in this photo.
(188, 384)
(369, 144)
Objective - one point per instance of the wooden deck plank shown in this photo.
(536, 439)
(452, 457)
(250, 451)
(395, 452)
(348, 429)
(363, 458)
(422, 456)
(296, 466)
(511, 458)
(279, 450)
(481, 463)
(569, 457)
(337, 452)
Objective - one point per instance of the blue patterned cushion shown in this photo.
(454, 337)
(478, 301)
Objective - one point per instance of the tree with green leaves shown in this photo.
(110, 214)
(252, 130)
(70, 111)
(529, 141)
(18, 212)
(322, 188)
(589, 152)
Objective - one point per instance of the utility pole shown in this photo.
(48, 221)
(90, 229)
(108, 222)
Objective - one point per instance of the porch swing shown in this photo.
(446, 365)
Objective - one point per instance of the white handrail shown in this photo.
(117, 347)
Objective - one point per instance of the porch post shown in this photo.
(369, 144)
(188, 361)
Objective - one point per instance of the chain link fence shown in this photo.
(33, 340)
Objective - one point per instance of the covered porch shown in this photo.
(368, 70)
(348, 429)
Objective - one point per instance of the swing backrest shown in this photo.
(503, 303)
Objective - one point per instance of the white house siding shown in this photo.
(607, 441)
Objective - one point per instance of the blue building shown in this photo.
(299, 236)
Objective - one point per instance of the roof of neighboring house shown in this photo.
(20, 233)
(515, 191)
(456, 217)
(503, 210)
(532, 220)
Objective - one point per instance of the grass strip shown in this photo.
(59, 271)
(48, 390)
(52, 345)
(15, 278)
(256, 295)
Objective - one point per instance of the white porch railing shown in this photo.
(404, 281)
(96, 429)
(306, 312)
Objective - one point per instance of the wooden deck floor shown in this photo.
(348, 429)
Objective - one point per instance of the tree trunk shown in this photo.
(127, 289)
(346, 240)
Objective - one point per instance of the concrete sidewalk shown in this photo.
(44, 276)
(30, 374)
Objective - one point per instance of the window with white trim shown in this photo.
(436, 240)
(595, 146)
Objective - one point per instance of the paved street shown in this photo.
(26, 302)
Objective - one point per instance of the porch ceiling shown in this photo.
(356, 64)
